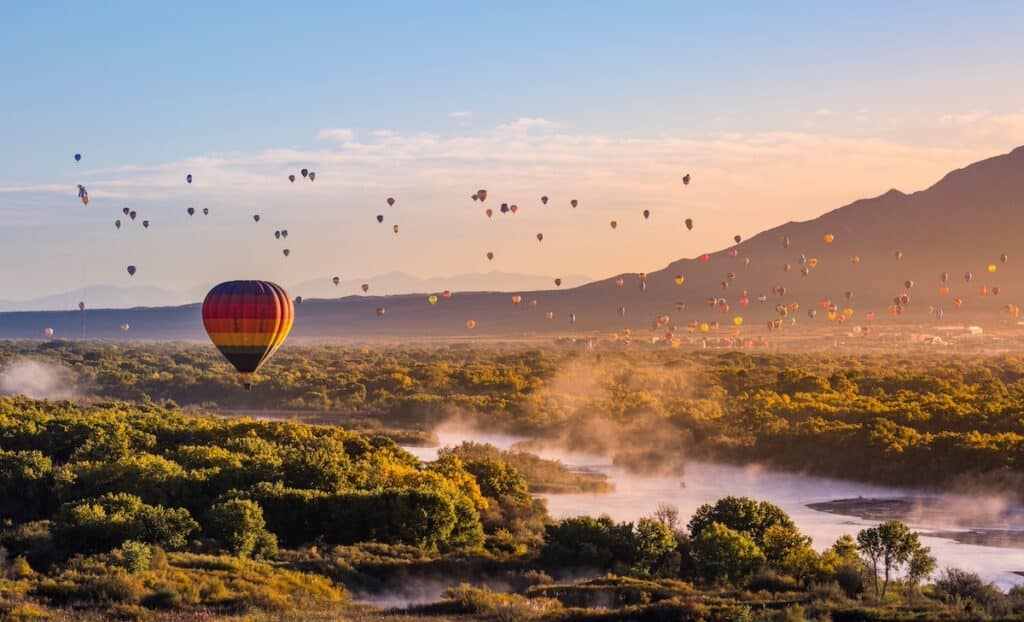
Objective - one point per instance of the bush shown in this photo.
(237, 525)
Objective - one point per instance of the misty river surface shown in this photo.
(636, 496)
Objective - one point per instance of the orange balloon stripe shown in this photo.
(247, 339)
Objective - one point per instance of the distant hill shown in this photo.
(962, 223)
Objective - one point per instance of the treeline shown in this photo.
(904, 420)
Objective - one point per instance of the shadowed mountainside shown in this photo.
(962, 223)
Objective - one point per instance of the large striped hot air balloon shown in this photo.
(248, 321)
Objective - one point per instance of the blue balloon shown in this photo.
(78, 157)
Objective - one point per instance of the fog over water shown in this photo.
(636, 496)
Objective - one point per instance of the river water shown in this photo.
(636, 496)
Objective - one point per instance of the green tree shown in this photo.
(238, 525)
(652, 541)
(892, 545)
(724, 555)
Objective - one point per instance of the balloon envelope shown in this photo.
(248, 321)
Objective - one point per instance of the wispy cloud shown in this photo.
(340, 134)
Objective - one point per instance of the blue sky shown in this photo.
(606, 101)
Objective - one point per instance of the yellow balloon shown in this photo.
(829, 237)
(432, 299)
(680, 279)
(848, 312)
(737, 320)
(991, 267)
(704, 327)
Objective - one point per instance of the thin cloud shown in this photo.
(340, 134)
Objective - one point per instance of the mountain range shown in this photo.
(963, 223)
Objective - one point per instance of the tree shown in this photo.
(652, 541)
(668, 515)
(893, 545)
(920, 566)
(724, 555)
(237, 525)
(741, 514)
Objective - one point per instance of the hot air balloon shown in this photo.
(908, 284)
(81, 305)
(489, 212)
(394, 228)
(574, 203)
(622, 311)
(968, 276)
(558, 282)
(516, 299)
(490, 256)
(432, 299)
(829, 238)
(125, 327)
(991, 268)
(848, 295)
(380, 217)
(206, 211)
(540, 237)
(704, 258)
(943, 291)
(481, 194)
(247, 321)
(78, 157)
(390, 201)
(533, 302)
(737, 239)
(298, 300)
(614, 224)
(312, 176)
(125, 211)
(365, 287)
(291, 178)
(513, 208)
(957, 302)
(689, 224)
(191, 211)
(785, 241)
(647, 214)
(899, 255)
(188, 178)
(686, 179)
(470, 324)
(619, 282)
(504, 208)
(117, 223)
(1004, 258)
(83, 194)
(446, 294)
(304, 172)
(544, 199)
(996, 290)
(277, 234)
(679, 279)
(48, 332)
(786, 267)
(572, 318)
(474, 197)
(982, 290)
(944, 277)
(287, 252)
(131, 270)
(256, 217)
(737, 320)
(811, 313)
(336, 280)
(132, 214)
(284, 233)
(381, 311)
(550, 315)
(855, 259)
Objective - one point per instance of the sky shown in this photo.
(779, 112)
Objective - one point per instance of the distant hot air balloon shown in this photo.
(533, 302)
(287, 252)
(298, 300)
(277, 234)
(191, 211)
(291, 178)
(704, 258)
(304, 172)
(131, 270)
(390, 201)
(785, 241)
(899, 255)
(968, 276)
(647, 214)
(256, 217)
(516, 299)
(446, 294)
(132, 214)
(81, 305)
(284, 233)
(188, 178)
(679, 279)
(513, 208)
(558, 282)
(381, 311)
(540, 237)
(490, 256)
(908, 284)
(550, 315)
(336, 280)
(504, 208)
(829, 238)
(489, 212)
(737, 320)
(432, 299)
(206, 211)
(544, 199)
(394, 228)
(247, 321)
(686, 179)
(737, 238)
(125, 211)
(145, 224)
(481, 194)
(619, 282)
(855, 259)
(572, 318)
(380, 217)
(1004, 258)
(48, 332)
(470, 324)
(78, 157)
(125, 328)
(991, 268)
(944, 277)
(365, 287)
(117, 223)
(614, 224)
(574, 203)
(689, 224)
(622, 311)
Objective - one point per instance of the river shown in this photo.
(636, 496)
